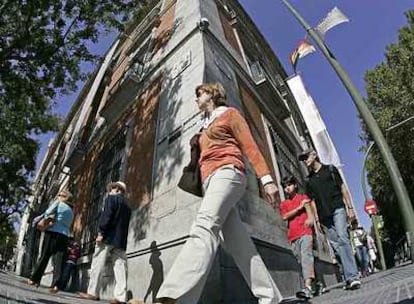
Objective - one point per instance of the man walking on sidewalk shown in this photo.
(333, 203)
(111, 242)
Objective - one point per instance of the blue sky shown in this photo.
(358, 45)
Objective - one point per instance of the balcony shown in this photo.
(123, 91)
(269, 91)
(75, 155)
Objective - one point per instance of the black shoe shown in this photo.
(318, 289)
(305, 294)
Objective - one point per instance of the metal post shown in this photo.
(379, 241)
(395, 175)
(364, 164)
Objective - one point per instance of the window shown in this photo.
(108, 169)
(141, 55)
(286, 159)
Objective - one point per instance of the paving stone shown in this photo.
(395, 285)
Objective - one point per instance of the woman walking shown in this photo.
(55, 240)
(224, 140)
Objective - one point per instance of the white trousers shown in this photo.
(119, 260)
(188, 274)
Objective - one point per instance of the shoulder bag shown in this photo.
(190, 180)
(47, 222)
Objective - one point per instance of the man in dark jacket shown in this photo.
(111, 243)
(332, 203)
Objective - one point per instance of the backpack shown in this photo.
(331, 170)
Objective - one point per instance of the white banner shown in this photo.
(332, 19)
(317, 129)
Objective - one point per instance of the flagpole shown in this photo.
(372, 126)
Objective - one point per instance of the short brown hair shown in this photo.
(216, 90)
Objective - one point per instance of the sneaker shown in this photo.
(305, 293)
(353, 284)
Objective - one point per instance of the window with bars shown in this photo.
(286, 159)
(108, 169)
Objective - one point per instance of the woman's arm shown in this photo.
(51, 210)
(241, 132)
(249, 148)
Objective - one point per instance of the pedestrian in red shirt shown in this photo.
(298, 212)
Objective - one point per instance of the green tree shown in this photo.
(390, 96)
(8, 241)
(43, 46)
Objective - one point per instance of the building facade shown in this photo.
(133, 121)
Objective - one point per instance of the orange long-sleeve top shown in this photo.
(225, 141)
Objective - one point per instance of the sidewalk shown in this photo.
(395, 285)
(392, 286)
(14, 290)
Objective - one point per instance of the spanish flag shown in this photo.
(304, 48)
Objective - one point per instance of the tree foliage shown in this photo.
(43, 45)
(390, 96)
(8, 240)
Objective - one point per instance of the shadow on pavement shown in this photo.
(4, 299)
(45, 301)
(407, 301)
(293, 301)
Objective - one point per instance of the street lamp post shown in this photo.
(366, 195)
(372, 126)
(372, 216)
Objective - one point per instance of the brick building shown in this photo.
(133, 120)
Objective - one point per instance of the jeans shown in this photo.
(362, 254)
(303, 250)
(68, 272)
(218, 215)
(338, 237)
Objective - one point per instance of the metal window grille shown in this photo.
(108, 169)
(286, 159)
(258, 73)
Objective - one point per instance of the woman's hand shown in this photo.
(271, 190)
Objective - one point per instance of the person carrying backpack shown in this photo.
(331, 199)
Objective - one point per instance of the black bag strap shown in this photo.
(332, 172)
